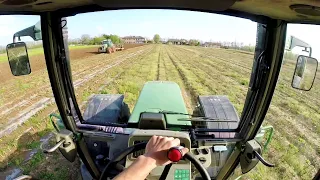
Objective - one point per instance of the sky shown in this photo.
(166, 23)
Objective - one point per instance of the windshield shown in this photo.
(167, 60)
(179, 69)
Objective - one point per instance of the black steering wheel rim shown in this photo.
(204, 173)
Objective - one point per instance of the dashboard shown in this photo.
(212, 154)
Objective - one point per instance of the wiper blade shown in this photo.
(195, 118)
(206, 119)
(173, 112)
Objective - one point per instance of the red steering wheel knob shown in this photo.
(175, 154)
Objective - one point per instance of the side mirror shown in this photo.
(18, 59)
(304, 73)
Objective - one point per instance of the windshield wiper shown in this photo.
(173, 112)
(197, 118)
(206, 119)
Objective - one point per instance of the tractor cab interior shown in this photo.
(108, 136)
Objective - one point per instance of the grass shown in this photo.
(295, 115)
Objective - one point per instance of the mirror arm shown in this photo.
(310, 53)
(25, 32)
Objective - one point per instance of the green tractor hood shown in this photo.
(158, 96)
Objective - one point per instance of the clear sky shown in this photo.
(167, 23)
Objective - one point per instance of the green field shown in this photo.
(37, 51)
(295, 148)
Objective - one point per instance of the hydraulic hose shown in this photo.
(262, 160)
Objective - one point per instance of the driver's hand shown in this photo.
(158, 147)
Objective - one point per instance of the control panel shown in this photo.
(178, 171)
(203, 154)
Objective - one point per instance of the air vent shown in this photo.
(18, 2)
(306, 9)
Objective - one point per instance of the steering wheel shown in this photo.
(137, 147)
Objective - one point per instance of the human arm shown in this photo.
(155, 155)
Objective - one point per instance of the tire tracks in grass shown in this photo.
(158, 73)
(232, 62)
(225, 61)
(161, 71)
(40, 91)
(44, 102)
(164, 67)
(172, 74)
(190, 89)
(85, 70)
(206, 65)
(181, 70)
(302, 98)
(217, 76)
(131, 81)
(285, 70)
(126, 67)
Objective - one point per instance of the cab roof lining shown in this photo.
(275, 9)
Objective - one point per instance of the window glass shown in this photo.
(205, 54)
(17, 93)
(25, 104)
(295, 116)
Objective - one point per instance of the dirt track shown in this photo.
(22, 97)
(38, 63)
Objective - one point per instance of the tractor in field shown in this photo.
(109, 139)
(107, 47)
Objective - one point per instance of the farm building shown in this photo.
(134, 39)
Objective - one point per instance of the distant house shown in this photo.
(134, 39)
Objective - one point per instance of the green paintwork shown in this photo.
(107, 43)
(262, 132)
(161, 95)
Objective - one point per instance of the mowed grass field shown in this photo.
(198, 71)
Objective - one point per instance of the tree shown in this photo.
(194, 42)
(156, 38)
(97, 40)
(74, 41)
(114, 38)
(85, 39)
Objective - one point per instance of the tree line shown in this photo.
(85, 39)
